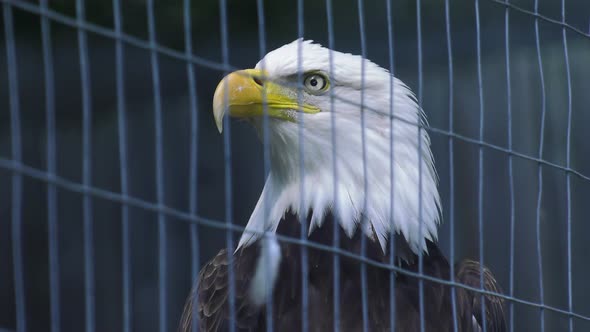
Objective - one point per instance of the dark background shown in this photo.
(280, 18)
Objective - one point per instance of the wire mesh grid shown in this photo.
(20, 170)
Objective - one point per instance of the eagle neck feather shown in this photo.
(283, 188)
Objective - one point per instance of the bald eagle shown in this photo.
(364, 200)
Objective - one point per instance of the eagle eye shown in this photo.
(315, 83)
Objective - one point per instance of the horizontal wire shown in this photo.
(509, 152)
(107, 32)
(559, 23)
(73, 186)
(138, 42)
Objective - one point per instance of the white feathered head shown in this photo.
(317, 100)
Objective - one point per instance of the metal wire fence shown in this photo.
(19, 170)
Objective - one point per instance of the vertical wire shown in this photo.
(392, 307)
(335, 221)
(568, 174)
(364, 285)
(51, 159)
(302, 216)
(54, 293)
(420, 221)
(89, 283)
(480, 177)
(540, 169)
(17, 180)
(193, 163)
(122, 132)
(228, 176)
(162, 250)
(510, 169)
(421, 253)
(266, 161)
(451, 164)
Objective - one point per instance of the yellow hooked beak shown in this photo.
(243, 93)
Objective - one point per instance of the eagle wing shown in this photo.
(468, 273)
(209, 298)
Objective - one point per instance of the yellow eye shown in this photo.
(315, 83)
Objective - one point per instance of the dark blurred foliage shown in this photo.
(281, 26)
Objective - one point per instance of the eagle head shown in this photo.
(317, 101)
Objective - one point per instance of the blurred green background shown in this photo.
(281, 26)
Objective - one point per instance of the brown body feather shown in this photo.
(209, 300)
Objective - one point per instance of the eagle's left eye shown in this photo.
(315, 83)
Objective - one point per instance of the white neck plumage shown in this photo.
(334, 173)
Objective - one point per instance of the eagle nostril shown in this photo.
(258, 81)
